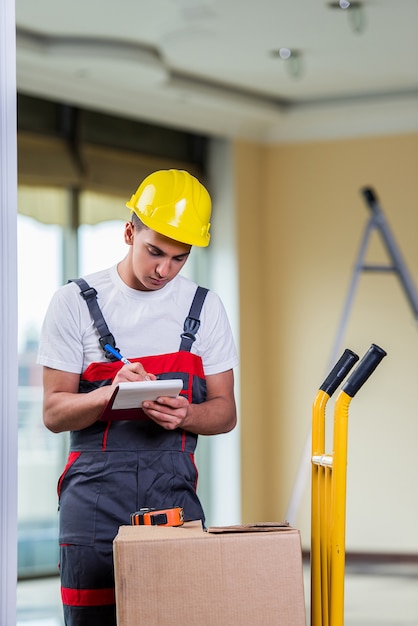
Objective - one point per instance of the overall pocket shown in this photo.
(78, 491)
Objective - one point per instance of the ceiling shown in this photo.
(212, 66)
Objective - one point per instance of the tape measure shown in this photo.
(158, 517)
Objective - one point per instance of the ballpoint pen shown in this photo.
(120, 357)
(116, 353)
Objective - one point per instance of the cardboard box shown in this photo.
(233, 576)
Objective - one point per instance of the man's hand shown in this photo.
(132, 372)
(214, 416)
(168, 412)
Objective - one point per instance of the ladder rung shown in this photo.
(379, 268)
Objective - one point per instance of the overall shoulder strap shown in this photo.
(192, 321)
(90, 296)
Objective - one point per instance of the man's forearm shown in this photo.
(213, 417)
(64, 411)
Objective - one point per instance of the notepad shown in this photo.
(132, 395)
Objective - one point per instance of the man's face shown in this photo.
(154, 258)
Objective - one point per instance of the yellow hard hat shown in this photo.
(175, 204)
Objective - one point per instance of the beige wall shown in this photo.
(301, 218)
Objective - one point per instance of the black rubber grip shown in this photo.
(339, 371)
(370, 197)
(364, 369)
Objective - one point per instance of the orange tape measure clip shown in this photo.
(158, 517)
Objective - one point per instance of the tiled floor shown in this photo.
(375, 595)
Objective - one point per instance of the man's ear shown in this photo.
(129, 233)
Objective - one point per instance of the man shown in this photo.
(117, 467)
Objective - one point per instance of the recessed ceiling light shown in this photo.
(285, 53)
(345, 4)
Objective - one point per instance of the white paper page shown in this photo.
(132, 395)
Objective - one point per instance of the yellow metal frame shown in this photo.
(329, 480)
(319, 549)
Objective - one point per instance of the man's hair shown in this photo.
(137, 222)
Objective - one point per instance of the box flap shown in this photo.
(252, 528)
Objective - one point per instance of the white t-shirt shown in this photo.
(143, 323)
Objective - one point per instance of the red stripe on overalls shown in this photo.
(105, 434)
(72, 457)
(195, 469)
(155, 364)
(183, 440)
(87, 597)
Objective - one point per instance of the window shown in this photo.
(40, 453)
(41, 270)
